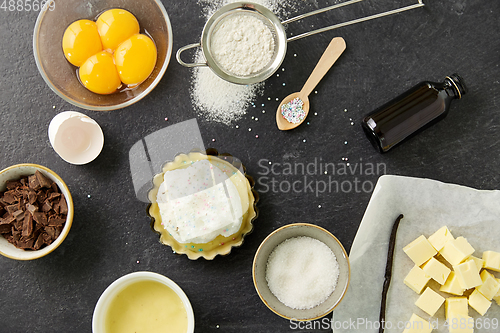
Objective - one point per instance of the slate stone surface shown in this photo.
(111, 236)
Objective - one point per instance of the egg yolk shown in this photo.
(98, 74)
(80, 41)
(115, 26)
(135, 59)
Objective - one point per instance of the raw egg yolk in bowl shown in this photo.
(98, 74)
(81, 40)
(110, 53)
(115, 26)
(135, 59)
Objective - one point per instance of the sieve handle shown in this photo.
(339, 25)
(185, 64)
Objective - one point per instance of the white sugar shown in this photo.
(302, 272)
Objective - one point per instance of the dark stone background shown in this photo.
(111, 236)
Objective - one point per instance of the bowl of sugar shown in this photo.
(301, 272)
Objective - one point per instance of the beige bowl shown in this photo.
(61, 76)
(16, 172)
(102, 306)
(260, 264)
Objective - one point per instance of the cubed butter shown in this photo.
(478, 302)
(436, 270)
(497, 296)
(492, 260)
(440, 237)
(459, 323)
(457, 250)
(467, 274)
(456, 305)
(420, 250)
(490, 286)
(452, 286)
(417, 279)
(479, 263)
(417, 324)
(430, 301)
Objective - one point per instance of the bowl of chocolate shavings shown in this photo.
(36, 211)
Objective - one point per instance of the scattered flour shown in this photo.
(302, 272)
(214, 98)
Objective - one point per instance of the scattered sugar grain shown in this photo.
(302, 272)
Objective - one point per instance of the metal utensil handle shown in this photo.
(362, 19)
(185, 64)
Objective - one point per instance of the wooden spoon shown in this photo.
(331, 54)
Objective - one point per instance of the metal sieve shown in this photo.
(277, 30)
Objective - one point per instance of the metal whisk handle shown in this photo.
(362, 19)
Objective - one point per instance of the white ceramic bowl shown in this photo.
(107, 296)
(260, 264)
(15, 172)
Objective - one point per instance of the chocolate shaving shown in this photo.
(5, 228)
(9, 218)
(30, 208)
(34, 183)
(11, 209)
(42, 180)
(25, 243)
(53, 195)
(46, 206)
(388, 272)
(40, 217)
(9, 197)
(63, 206)
(31, 196)
(51, 232)
(27, 225)
(19, 215)
(12, 184)
(39, 242)
(55, 221)
(55, 207)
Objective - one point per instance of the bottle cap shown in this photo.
(458, 83)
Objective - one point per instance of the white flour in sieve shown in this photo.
(242, 44)
(214, 98)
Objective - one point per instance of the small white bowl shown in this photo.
(21, 170)
(101, 308)
(77, 138)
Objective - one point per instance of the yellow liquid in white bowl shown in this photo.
(146, 307)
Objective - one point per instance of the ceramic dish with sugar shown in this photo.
(291, 232)
(202, 204)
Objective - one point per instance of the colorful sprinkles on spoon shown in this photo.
(293, 111)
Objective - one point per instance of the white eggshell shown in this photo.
(77, 138)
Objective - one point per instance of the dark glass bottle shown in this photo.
(416, 109)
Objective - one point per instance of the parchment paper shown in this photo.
(427, 205)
